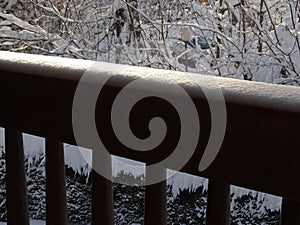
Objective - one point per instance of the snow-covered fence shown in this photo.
(259, 149)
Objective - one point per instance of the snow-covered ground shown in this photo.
(32, 222)
(77, 159)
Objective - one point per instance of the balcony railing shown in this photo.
(260, 149)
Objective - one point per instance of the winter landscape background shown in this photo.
(254, 40)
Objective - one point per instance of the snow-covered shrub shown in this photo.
(249, 39)
(249, 209)
(188, 207)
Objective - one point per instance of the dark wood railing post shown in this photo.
(218, 203)
(290, 212)
(156, 198)
(56, 201)
(16, 187)
(102, 190)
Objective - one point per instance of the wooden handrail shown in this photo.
(259, 150)
(261, 139)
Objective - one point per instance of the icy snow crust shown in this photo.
(73, 158)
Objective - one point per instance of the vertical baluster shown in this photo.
(290, 212)
(102, 192)
(16, 187)
(56, 201)
(218, 203)
(156, 198)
